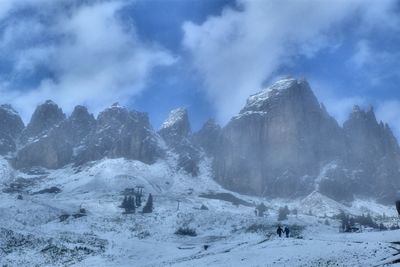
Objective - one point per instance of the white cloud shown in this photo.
(374, 64)
(389, 112)
(338, 107)
(238, 50)
(94, 58)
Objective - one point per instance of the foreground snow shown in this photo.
(31, 232)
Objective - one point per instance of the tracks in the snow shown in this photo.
(394, 258)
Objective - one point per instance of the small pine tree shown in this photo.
(124, 202)
(260, 209)
(327, 222)
(138, 200)
(130, 206)
(148, 208)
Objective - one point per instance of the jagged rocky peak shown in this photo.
(10, 121)
(11, 126)
(176, 127)
(115, 115)
(374, 152)
(121, 133)
(81, 113)
(176, 132)
(46, 116)
(282, 133)
(141, 118)
(362, 124)
(79, 124)
(362, 128)
(208, 137)
(287, 89)
(363, 115)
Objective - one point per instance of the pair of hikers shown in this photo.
(280, 231)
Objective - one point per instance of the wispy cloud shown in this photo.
(93, 57)
(389, 112)
(240, 49)
(374, 64)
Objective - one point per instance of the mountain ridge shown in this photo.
(282, 143)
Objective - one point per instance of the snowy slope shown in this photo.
(31, 232)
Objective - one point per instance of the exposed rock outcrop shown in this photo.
(10, 130)
(177, 133)
(373, 154)
(45, 141)
(45, 117)
(208, 137)
(278, 142)
(121, 133)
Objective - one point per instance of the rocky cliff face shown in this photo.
(79, 125)
(373, 152)
(177, 134)
(121, 133)
(208, 137)
(54, 141)
(10, 130)
(44, 142)
(279, 140)
(283, 143)
(45, 117)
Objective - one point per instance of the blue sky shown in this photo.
(206, 55)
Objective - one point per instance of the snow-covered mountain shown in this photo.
(44, 227)
(63, 179)
(283, 143)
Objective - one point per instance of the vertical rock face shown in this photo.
(120, 133)
(277, 142)
(176, 133)
(45, 117)
(79, 125)
(11, 127)
(283, 143)
(44, 141)
(51, 141)
(176, 127)
(51, 151)
(372, 151)
(208, 137)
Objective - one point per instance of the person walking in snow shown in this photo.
(287, 231)
(279, 231)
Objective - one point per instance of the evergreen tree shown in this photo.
(129, 204)
(124, 202)
(138, 200)
(260, 209)
(148, 208)
(132, 204)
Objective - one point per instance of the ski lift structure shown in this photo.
(398, 207)
(136, 192)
